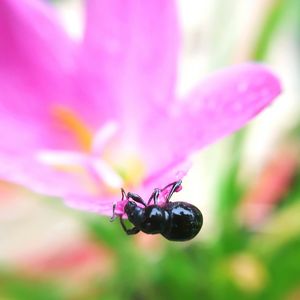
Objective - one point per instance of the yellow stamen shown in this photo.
(131, 169)
(72, 122)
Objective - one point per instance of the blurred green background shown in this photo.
(247, 186)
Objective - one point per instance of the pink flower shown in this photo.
(81, 120)
(271, 186)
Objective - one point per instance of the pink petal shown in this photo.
(78, 188)
(104, 204)
(132, 47)
(39, 72)
(36, 60)
(30, 118)
(220, 105)
(34, 47)
(98, 204)
(40, 178)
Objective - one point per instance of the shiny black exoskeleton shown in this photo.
(176, 221)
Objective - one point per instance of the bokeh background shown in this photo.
(247, 186)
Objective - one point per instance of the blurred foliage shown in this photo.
(16, 286)
(237, 263)
(277, 13)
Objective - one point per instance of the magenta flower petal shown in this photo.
(40, 70)
(135, 45)
(39, 178)
(36, 60)
(221, 104)
(224, 103)
(87, 119)
(30, 118)
(97, 204)
(38, 81)
(34, 47)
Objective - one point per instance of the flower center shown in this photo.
(131, 168)
(101, 158)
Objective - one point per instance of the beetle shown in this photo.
(176, 221)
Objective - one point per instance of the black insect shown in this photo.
(176, 221)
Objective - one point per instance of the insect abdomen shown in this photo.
(185, 221)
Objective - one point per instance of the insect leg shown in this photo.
(136, 198)
(174, 186)
(124, 196)
(113, 214)
(130, 231)
(154, 196)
